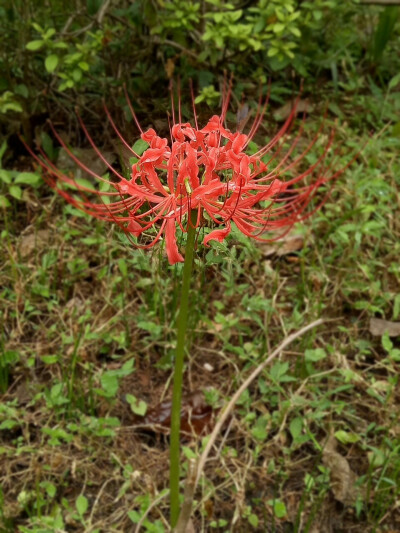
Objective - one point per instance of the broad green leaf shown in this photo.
(15, 191)
(140, 146)
(28, 178)
(77, 74)
(81, 504)
(394, 81)
(49, 33)
(346, 437)
(278, 507)
(386, 342)
(314, 355)
(109, 383)
(34, 45)
(51, 62)
(5, 176)
(296, 427)
(253, 520)
(139, 407)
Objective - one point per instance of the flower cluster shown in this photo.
(206, 172)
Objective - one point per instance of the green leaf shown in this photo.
(279, 508)
(8, 424)
(278, 27)
(395, 355)
(49, 359)
(296, 427)
(51, 62)
(313, 356)
(259, 433)
(386, 342)
(49, 33)
(83, 65)
(47, 144)
(278, 370)
(346, 437)
(28, 178)
(253, 520)
(385, 30)
(394, 81)
(5, 176)
(21, 90)
(61, 45)
(123, 267)
(110, 384)
(35, 45)
(134, 516)
(396, 307)
(139, 407)
(81, 504)
(15, 191)
(4, 202)
(49, 488)
(140, 146)
(77, 74)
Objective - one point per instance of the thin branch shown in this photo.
(222, 419)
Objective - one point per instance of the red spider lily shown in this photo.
(206, 171)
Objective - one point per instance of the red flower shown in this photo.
(206, 170)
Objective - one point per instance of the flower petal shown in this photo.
(170, 243)
(217, 235)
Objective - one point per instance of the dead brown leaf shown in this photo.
(32, 241)
(378, 326)
(285, 246)
(342, 477)
(284, 111)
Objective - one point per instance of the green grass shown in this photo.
(86, 320)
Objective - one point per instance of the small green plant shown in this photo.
(68, 61)
(11, 181)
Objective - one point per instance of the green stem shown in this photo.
(178, 371)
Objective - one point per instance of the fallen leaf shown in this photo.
(342, 477)
(285, 246)
(196, 415)
(284, 111)
(32, 241)
(378, 327)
